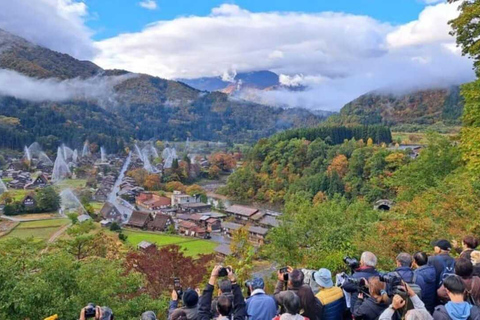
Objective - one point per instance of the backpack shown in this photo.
(413, 284)
(469, 297)
(448, 270)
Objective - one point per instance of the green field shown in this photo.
(193, 246)
(71, 184)
(42, 229)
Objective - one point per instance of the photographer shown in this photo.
(330, 296)
(310, 305)
(96, 312)
(224, 288)
(372, 307)
(227, 308)
(463, 269)
(405, 272)
(292, 308)
(260, 306)
(399, 303)
(429, 291)
(190, 304)
(457, 308)
(368, 262)
(150, 315)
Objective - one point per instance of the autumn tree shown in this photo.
(243, 254)
(152, 182)
(339, 165)
(223, 161)
(139, 175)
(195, 189)
(175, 186)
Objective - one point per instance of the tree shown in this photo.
(223, 161)
(195, 189)
(213, 172)
(369, 142)
(48, 200)
(175, 186)
(339, 165)
(243, 254)
(152, 182)
(139, 175)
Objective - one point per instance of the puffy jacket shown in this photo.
(333, 303)
(362, 272)
(439, 262)
(442, 314)
(429, 292)
(368, 309)
(261, 306)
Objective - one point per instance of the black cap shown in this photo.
(443, 244)
(190, 298)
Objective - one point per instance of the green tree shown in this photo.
(48, 200)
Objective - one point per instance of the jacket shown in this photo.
(438, 263)
(279, 294)
(429, 292)
(407, 275)
(389, 313)
(191, 312)
(368, 309)
(362, 272)
(261, 306)
(472, 284)
(205, 304)
(287, 316)
(333, 303)
(442, 314)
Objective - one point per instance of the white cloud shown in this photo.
(55, 24)
(148, 4)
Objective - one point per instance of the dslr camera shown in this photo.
(178, 288)
(224, 271)
(352, 263)
(90, 311)
(248, 285)
(394, 285)
(284, 271)
(359, 283)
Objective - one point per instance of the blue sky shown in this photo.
(112, 17)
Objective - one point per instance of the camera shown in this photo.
(284, 271)
(178, 288)
(224, 272)
(248, 285)
(394, 285)
(90, 311)
(352, 263)
(359, 283)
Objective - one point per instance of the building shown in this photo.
(151, 201)
(213, 224)
(161, 222)
(269, 222)
(83, 217)
(101, 194)
(223, 251)
(241, 213)
(229, 227)
(145, 245)
(140, 219)
(189, 228)
(105, 223)
(40, 182)
(178, 198)
(195, 207)
(111, 213)
(257, 234)
(29, 201)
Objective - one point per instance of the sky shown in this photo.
(337, 49)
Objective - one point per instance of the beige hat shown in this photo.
(475, 257)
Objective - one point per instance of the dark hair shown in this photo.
(470, 241)
(291, 302)
(421, 258)
(463, 267)
(307, 299)
(404, 259)
(224, 305)
(178, 314)
(225, 286)
(296, 278)
(454, 284)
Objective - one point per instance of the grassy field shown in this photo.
(193, 246)
(71, 184)
(42, 229)
(97, 206)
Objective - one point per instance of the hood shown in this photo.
(428, 273)
(458, 311)
(288, 316)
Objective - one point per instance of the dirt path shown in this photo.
(58, 233)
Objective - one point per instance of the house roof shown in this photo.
(187, 224)
(195, 205)
(158, 202)
(223, 249)
(257, 216)
(231, 225)
(160, 221)
(269, 221)
(139, 219)
(84, 217)
(214, 214)
(144, 244)
(242, 210)
(258, 230)
(106, 211)
(183, 216)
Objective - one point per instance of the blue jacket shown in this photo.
(261, 306)
(429, 292)
(439, 262)
(363, 272)
(407, 274)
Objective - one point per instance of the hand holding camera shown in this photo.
(398, 302)
(91, 311)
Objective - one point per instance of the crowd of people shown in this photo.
(421, 287)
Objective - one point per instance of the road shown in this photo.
(58, 233)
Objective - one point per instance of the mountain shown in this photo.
(416, 109)
(138, 107)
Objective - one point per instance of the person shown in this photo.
(469, 244)
(463, 269)
(309, 303)
(398, 304)
(260, 306)
(101, 313)
(442, 261)
(150, 315)
(178, 314)
(190, 304)
(404, 270)
(330, 296)
(372, 307)
(292, 306)
(457, 308)
(475, 258)
(225, 288)
(368, 262)
(226, 308)
(429, 290)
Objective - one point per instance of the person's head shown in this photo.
(224, 305)
(454, 286)
(257, 283)
(463, 268)
(404, 260)
(107, 314)
(295, 278)
(190, 298)
(469, 242)
(368, 259)
(418, 314)
(420, 259)
(323, 278)
(292, 303)
(475, 256)
(307, 299)
(177, 314)
(376, 289)
(150, 315)
(225, 286)
(442, 246)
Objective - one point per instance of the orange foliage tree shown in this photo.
(339, 165)
(223, 161)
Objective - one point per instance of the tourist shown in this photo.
(224, 288)
(101, 313)
(469, 244)
(429, 290)
(457, 308)
(311, 306)
(260, 306)
(150, 315)
(372, 307)
(225, 306)
(331, 297)
(419, 312)
(292, 306)
(178, 314)
(368, 262)
(463, 269)
(443, 263)
(190, 304)
(475, 258)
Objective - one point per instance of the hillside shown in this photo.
(139, 106)
(417, 109)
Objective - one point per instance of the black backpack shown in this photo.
(448, 270)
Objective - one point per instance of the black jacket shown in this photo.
(367, 273)
(313, 313)
(205, 304)
(368, 309)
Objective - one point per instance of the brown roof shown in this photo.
(258, 230)
(160, 221)
(187, 224)
(139, 219)
(195, 205)
(223, 249)
(241, 210)
(158, 202)
(270, 221)
(107, 213)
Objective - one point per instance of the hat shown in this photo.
(107, 313)
(257, 283)
(443, 244)
(190, 298)
(149, 315)
(323, 278)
